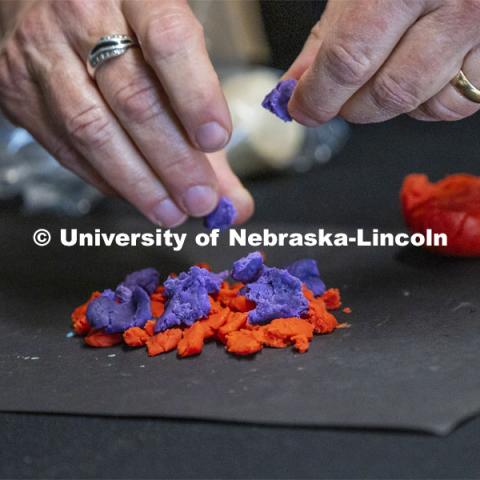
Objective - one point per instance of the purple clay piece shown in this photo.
(307, 271)
(148, 279)
(249, 268)
(123, 294)
(110, 294)
(222, 217)
(277, 100)
(277, 294)
(117, 312)
(187, 297)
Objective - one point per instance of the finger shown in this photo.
(417, 70)
(351, 51)
(69, 158)
(94, 131)
(313, 42)
(231, 187)
(308, 53)
(137, 99)
(449, 104)
(173, 44)
(133, 93)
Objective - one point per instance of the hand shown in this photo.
(142, 128)
(371, 60)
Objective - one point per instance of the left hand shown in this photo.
(372, 60)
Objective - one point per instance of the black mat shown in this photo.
(410, 359)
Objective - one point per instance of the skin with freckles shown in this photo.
(372, 60)
(152, 125)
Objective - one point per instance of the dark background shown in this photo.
(359, 188)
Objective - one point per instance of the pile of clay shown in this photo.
(251, 307)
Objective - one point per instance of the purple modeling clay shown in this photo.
(277, 294)
(117, 311)
(307, 271)
(249, 268)
(277, 100)
(222, 217)
(122, 293)
(148, 279)
(187, 297)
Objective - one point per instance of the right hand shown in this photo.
(144, 128)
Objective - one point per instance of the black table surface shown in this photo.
(358, 188)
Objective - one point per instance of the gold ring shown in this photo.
(465, 87)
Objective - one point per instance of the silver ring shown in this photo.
(109, 46)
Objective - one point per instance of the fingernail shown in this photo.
(200, 200)
(168, 214)
(211, 137)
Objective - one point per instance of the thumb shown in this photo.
(307, 55)
(313, 42)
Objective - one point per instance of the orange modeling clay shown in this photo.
(98, 338)
(80, 323)
(242, 342)
(228, 318)
(450, 206)
(135, 337)
(332, 299)
(149, 327)
(235, 321)
(164, 342)
(321, 319)
(193, 340)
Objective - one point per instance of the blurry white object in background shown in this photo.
(234, 31)
(29, 171)
(260, 140)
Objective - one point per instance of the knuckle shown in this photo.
(139, 102)
(182, 166)
(133, 184)
(347, 64)
(89, 127)
(395, 95)
(167, 34)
